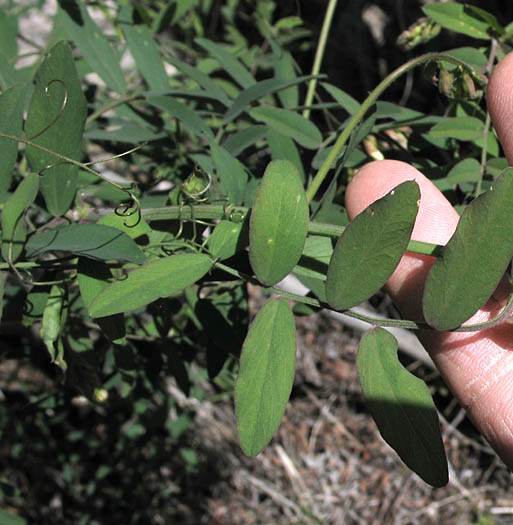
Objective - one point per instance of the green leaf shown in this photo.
(95, 48)
(242, 139)
(462, 128)
(144, 50)
(370, 248)
(283, 65)
(55, 120)
(402, 407)
(290, 124)
(202, 79)
(227, 239)
(159, 278)
(229, 62)
(51, 325)
(189, 117)
(14, 232)
(93, 277)
(265, 376)
(11, 123)
(474, 260)
(346, 101)
(455, 16)
(284, 148)
(8, 34)
(232, 174)
(470, 55)
(132, 226)
(279, 223)
(95, 241)
(257, 91)
(467, 170)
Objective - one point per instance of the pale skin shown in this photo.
(477, 366)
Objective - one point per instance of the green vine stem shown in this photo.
(319, 55)
(366, 105)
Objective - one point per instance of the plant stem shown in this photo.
(366, 105)
(319, 55)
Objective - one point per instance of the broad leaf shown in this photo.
(245, 137)
(14, 232)
(279, 223)
(265, 376)
(159, 278)
(95, 241)
(290, 124)
(93, 277)
(232, 174)
(227, 239)
(55, 120)
(402, 407)
(370, 248)
(455, 16)
(474, 260)
(97, 52)
(462, 128)
(284, 148)
(11, 122)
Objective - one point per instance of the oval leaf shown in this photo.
(55, 120)
(470, 267)
(227, 239)
(159, 278)
(96, 241)
(462, 128)
(266, 375)
(279, 223)
(402, 407)
(290, 124)
(371, 247)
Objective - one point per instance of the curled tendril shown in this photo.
(61, 111)
(232, 213)
(132, 208)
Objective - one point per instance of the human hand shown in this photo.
(477, 366)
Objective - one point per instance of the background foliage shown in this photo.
(208, 93)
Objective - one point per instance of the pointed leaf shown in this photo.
(93, 45)
(402, 407)
(474, 260)
(370, 248)
(14, 232)
(96, 241)
(290, 124)
(159, 278)
(231, 173)
(462, 128)
(11, 122)
(189, 117)
(455, 16)
(279, 223)
(266, 375)
(58, 110)
(144, 50)
(228, 61)
(227, 239)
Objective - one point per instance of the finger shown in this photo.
(499, 96)
(475, 365)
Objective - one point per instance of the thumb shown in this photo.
(475, 365)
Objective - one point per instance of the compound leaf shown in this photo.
(370, 248)
(266, 375)
(474, 260)
(402, 407)
(279, 223)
